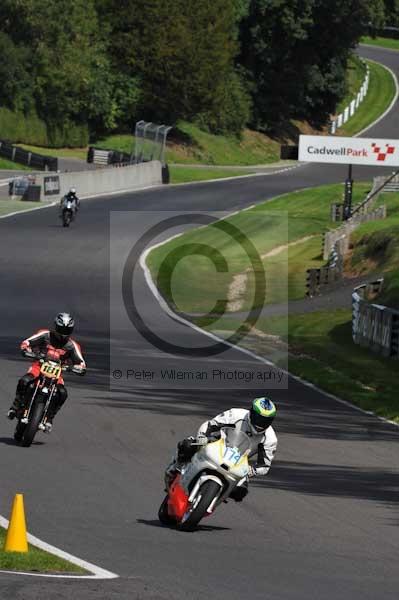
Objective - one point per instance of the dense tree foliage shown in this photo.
(392, 13)
(102, 64)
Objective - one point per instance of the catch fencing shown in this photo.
(374, 326)
(150, 142)
(30, 159)
(352, 107)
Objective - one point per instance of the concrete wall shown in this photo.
(100, 181)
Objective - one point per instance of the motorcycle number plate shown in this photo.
(232, 455)
(49, 370)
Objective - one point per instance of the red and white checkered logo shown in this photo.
(381, 154)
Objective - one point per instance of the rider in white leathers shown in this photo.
(255, 422)
(264, 443)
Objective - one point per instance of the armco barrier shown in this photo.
(100, 181)
(317, 279)
(30, 159)
(374, 326)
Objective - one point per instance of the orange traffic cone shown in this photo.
(16, 539)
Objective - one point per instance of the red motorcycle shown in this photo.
(39, 395)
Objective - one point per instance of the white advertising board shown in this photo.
(347, 150)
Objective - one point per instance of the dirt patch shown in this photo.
(237, 288)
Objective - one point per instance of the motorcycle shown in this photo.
(41, 392)
(206, 480)
(68, 213)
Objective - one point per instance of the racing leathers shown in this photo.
(39, 343)
(263, 446)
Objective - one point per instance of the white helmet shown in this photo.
(72, 190)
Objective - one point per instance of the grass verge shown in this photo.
(9, 165)
(381, 42)
(355, 75)
(319, 344)
(376, 249)
(380, 94)
(58, 152)
(35, 560)
(192, 284)
(11, 206)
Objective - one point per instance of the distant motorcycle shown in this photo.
(68, 212)
(206, 480)
(39, 396)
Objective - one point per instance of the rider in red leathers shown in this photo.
(42, 341)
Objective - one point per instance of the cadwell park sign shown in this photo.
(347, 150)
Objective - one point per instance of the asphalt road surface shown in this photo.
(323, 524)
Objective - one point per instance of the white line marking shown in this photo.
(98, 572)
(165, 306)
(262, 174)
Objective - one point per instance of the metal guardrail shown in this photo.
(30, 159)
(374, 326)
(317, 279)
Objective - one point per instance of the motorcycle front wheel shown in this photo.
(33, 425)
(163, 514)
(19, 431)
(207, 493)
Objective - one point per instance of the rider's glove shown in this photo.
(202, 440)
(78, 370)
(24, 348)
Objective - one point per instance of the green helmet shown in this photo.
(262, 414)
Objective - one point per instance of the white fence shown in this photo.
(352, 107)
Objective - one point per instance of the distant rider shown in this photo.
(39, 343)
(71, 197)
(255, 422)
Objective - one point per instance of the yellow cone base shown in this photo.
(16, 539)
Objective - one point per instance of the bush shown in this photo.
(30, 129)
(18, 127)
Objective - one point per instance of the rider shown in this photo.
(255, 422)
(72, 197)
(40, 342)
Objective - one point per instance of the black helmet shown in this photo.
(64, 324)
(261, 414)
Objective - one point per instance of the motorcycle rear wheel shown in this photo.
(33, 425)
(208, 490)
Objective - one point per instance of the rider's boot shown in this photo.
(14, 409)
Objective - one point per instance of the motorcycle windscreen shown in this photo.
(236, 439)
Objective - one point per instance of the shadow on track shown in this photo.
(156, 523)
(377, 485)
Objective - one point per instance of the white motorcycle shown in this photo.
(207, 480)
(68, 212)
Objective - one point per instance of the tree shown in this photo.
(295, 55)
(182, 52)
